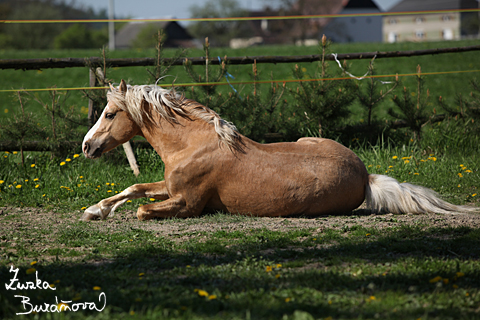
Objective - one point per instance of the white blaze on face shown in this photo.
(94, 129)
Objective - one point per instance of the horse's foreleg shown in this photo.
(172, 208)
(107, 206)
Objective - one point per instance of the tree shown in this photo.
(33, 35)
(219, 32)
(78, 36)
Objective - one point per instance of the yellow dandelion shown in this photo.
(79, 184)
(141, 274)
(52, 285)
(406, 161)
(32, 165)
(37, 186)
(468, 171)
(109, 191)
(394, 157)
(152, 199)
(455, 286)
(31, 270)
(460, 274)
(5, 110)
(26, 180)
(107, 183)
(36, 179)
(474, 195)
(436, 279)
(33, 262)
(445, 281)
(287, 299)
(132, 312)
(129, 201)
(433, 159)
(467, 294)
(368, 234)
(62, 163)
(460, 175)
(97, 288)
(461, 166)
(112, 184)
(277, 275)
(15, 152)
(68, 159)
(212, 297)
(81, 177)
(43, 195)
(83, 208)
(371, 298)
(416, 173)
(202, 293)
(18, 186)
(76, 156)
(268, 269)
(1, 181)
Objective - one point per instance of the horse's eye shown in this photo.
(110, 116)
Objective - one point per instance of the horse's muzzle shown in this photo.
(91, 150)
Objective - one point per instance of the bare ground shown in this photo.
(35, 218)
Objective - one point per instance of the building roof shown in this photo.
(415, 5)
(176, 34)
(363, 4)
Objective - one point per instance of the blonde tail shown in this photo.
(384, 193)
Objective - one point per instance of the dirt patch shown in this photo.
(36, 218)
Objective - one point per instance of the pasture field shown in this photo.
(446, 85)
(220, 266)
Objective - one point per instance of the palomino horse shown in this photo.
(208, 164)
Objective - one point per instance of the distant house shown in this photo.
(290, 31)
(176, 35)
(430, 27)
(356, 28)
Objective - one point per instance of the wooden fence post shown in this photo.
(92, 108)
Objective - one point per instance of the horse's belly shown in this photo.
(292, 184)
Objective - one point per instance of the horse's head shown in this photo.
(115, 126)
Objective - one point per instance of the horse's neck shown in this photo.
(170, 140)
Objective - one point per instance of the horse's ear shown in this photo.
(122, 87)
(111, 87)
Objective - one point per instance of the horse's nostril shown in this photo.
(86, 147)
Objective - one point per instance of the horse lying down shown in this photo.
(209, 165)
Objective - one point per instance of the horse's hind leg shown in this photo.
(107, 206)
(172, 208)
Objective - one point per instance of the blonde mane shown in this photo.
(169, 104)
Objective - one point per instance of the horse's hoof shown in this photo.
(94, 212)
(88, 216)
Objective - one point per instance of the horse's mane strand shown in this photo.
(169, 103)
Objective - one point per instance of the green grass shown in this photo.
(404, 272)
(232, 267)
(440, 85)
